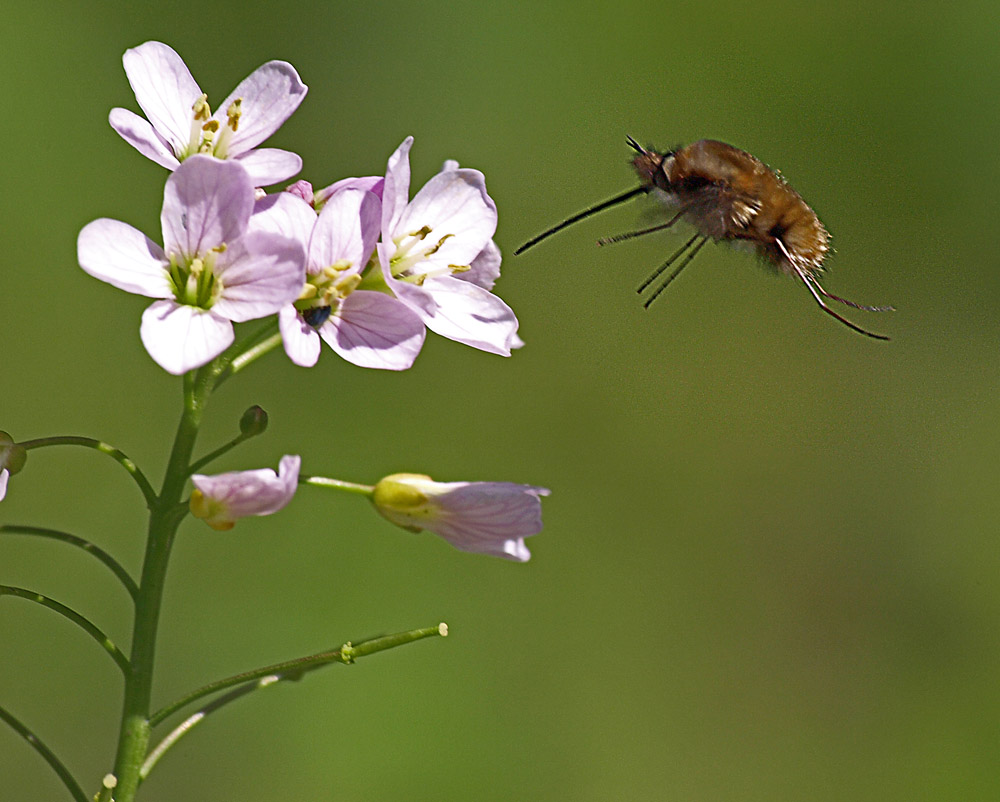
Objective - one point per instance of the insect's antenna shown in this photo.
(632, 234)
(600, 207)
(684, 263)
(812, 285)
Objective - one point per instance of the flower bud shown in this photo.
(254, 421)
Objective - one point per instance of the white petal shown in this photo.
(269, 96)
(164, 89)
(285, 214)
(452, 203)
(124, 257)
(396, 190)
(260, 273)
(485, 267)
(206, 203)
(462, 311)
(374, 330)
(301, 341)
(181, 338)
(347, 228)
(270, 165)
(143, 137)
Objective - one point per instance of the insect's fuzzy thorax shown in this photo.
(730, 195)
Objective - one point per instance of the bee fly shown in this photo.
(728, 196)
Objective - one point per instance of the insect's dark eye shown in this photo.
(316, 316)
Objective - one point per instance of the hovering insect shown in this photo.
(728, 196)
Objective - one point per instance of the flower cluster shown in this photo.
(358, 265)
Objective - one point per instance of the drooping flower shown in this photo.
(210, 272)
(12, 459)
(366, 327)
(485, 517)
(427, 243)
(223, 499)
(179, 122)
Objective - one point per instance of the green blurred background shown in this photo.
(769, 568)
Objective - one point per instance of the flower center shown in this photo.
(194, 281)
(411, 262)
(205, 136)
(324, 291)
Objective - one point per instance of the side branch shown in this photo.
(47, 755)
(106, 643)
(79, 542)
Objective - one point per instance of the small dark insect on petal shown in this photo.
(316, 316)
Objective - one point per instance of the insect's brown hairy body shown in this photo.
(729, 195)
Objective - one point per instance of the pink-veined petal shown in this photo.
(462, 311)
(453, 203)
(374, 330)
(396, 189)
(181, 338)
(268, 166)
(260, 273)
(4, 476)
(485, 268)
(164, 90)
(300, 340)
(141, 135)
(206, 202)
(224, 498)
(347, 229)
(373, 183)
(270, 94)
(124, 257)
(286, 214)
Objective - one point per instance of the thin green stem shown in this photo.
(88, 442)
(294, 669)
(47, 755)
(165, 517)
(247, 351)
(106, 643)
(349, 487)
(197, 466)
(79, 542)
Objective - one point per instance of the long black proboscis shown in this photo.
(586, 213)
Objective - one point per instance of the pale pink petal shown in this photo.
(347, 229)
(485, 267)
(301, 341)
(124, 257)
(452, 203)
(206, 202)
(286, 214)
(239, 494)
(374, 330)
(181, 338)
(143, 137)
(260, 273)
(373, 183)
(396, 190)
(268, 166)
(462, 311)
(164, 89)
(4, 476)
(270, 94)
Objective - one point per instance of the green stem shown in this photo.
(165, 516)
(261, 342)
(88, 442)
(47, 754)
(294, 669)
(350, 487)
(86, 545)
(67, 612)
(197, 466)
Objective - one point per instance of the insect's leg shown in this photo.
(809, 282)
(687, 260)
(865, 307)
(640, 232)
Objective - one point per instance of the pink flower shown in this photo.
(210, 271)
(179, 122)
(484, 517)
(367, 327)
(430, 242)
(222, 499)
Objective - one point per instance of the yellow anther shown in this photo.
(233, 113)
(201, 108)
